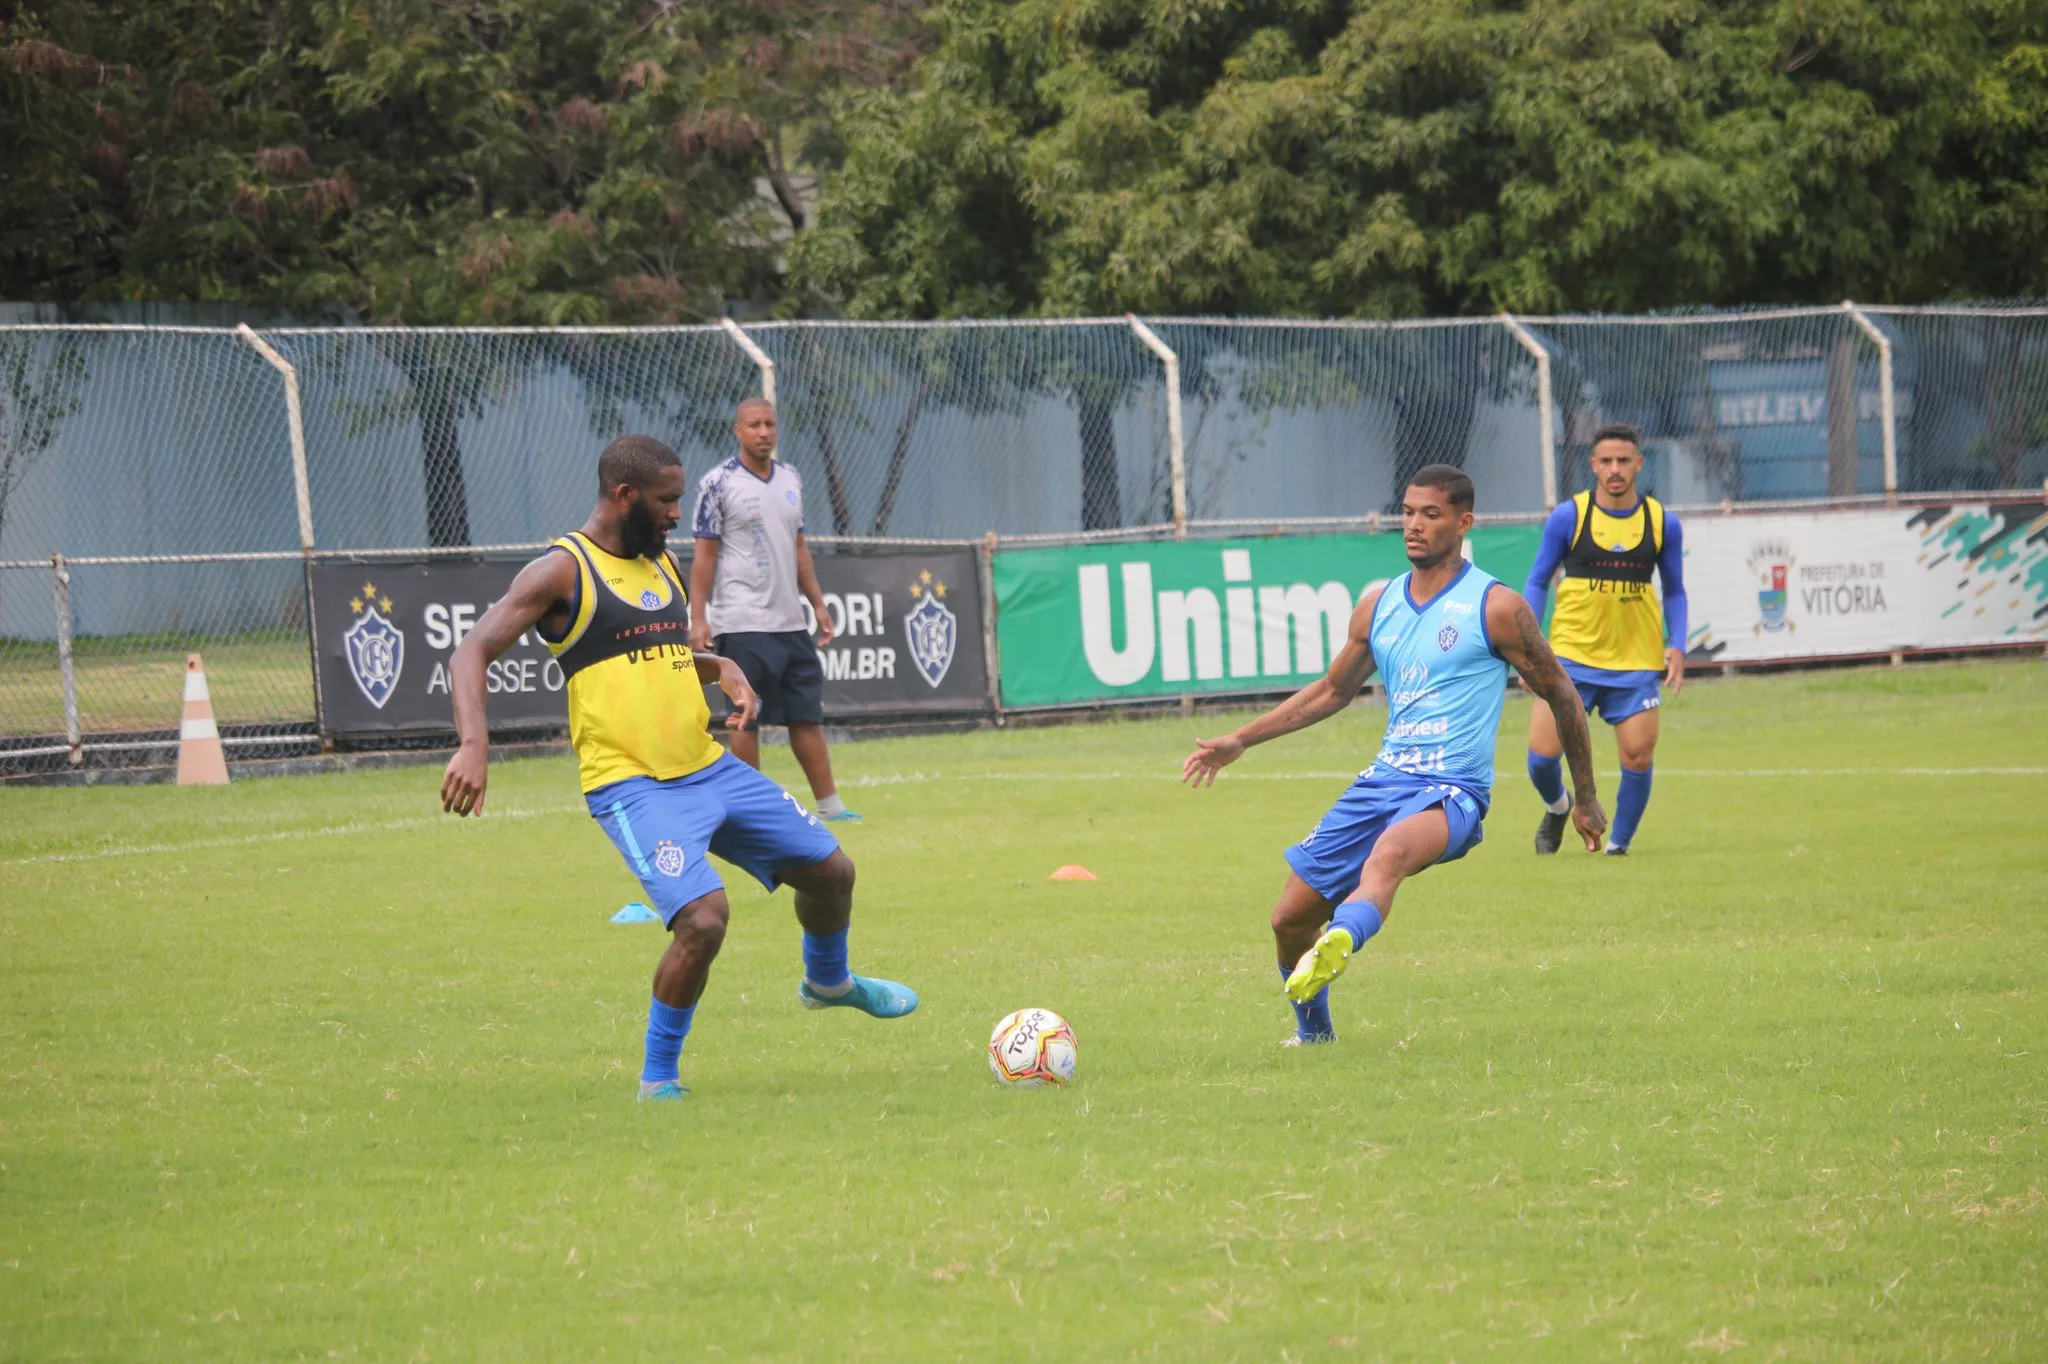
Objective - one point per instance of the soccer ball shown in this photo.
(1032, 1047)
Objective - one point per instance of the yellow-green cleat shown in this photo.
(1320, 965)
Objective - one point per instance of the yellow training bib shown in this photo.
(1606, 614)
(636, 708)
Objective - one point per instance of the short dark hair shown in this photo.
(1620, 431)
(1447, 479)
(635, 460)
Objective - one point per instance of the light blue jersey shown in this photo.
(1445, 683)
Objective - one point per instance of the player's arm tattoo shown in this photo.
(1328, 694)
(1522, 644)
(540, 585)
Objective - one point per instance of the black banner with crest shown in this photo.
(909, 640)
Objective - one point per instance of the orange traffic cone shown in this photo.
(201, 760)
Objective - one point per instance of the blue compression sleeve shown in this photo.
(1550, 552)
(825, 959)
(1360, 918)
(1629, 805)
(1671, 575)
(667, 1028)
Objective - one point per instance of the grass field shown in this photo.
(137, 682)
(302, 1069)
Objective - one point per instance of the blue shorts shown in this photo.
(1615, 693)
(1334, 853)
(664, 828)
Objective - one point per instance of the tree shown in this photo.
(412, 161)
(1406, 157)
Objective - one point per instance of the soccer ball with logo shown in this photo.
(1033, 1047)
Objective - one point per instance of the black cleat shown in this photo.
(1616, 850)
(1550, 833)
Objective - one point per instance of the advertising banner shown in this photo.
(1082, 623)
(909, 640)
(1854, 582)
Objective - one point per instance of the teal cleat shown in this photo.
(661, 1091)
(875, 998)
(843, 817)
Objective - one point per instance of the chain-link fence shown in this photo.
(953, 429)
(1291, 420)
(125, 452)
(159, 463)
(1973, 404)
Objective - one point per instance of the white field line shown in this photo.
(914, 778)
(491, 815)
(903, 778)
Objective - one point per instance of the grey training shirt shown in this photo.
(756, 520)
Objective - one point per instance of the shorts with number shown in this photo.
(783, 670)
(1615, 693)
(664, 828)
(1333, 855)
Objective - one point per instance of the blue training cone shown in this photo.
(636, 913)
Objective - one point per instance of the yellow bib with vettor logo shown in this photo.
(636, 708)
(1606, 615)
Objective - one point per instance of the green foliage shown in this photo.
(1404, 157)
(550, 161)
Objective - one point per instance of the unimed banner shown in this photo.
(1854, 582)
(910, 640)
(1115, 622)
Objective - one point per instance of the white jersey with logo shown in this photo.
(756, 521)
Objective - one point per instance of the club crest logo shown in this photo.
(668, 858)
(1446, 637)
(932, 629)
(1771, 561)
(374, 646)
(650, 599)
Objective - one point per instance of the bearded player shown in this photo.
(609, 603)
(1616, 641)
(1443, 636)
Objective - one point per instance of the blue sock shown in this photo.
(1312, 1020)
(666, 1029)
(825, 960)
(1360, 918)
(1548, 776)
(1629, 805)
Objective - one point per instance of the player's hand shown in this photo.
(700, 635)
(745, 704)
(1210, 757)
(1591, 821)
(462, 785)
(826, 634)
(1674, 670)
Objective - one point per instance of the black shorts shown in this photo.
(783, 670)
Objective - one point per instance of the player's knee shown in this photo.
(1291, 918)
(1637, 757)
(835, 874)
(701, 926)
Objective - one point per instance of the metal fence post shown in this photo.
(1176, 454)
(1887, 408)
(754, 353)
(1546, 412)
(302, 493)
(60, 586)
